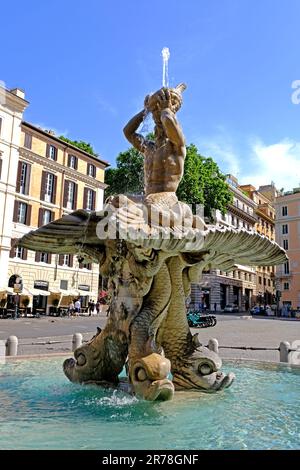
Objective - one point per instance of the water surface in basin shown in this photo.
(41, 409)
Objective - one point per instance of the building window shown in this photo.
(19, 253)
(259, 280)
(284, 211)
(48, 187)
(85, 266)
(285, 229)
(269, 283)
(51, 152)
(22, 213)
(22, 210)
(65, 260)
(286, 286)
(46, 218)
(43, 257)
(89, 197)
(70, 195)
(23, 178)
(287, 268)
(286, 244)
(28, 141)
(72, 162)
(64, 284)
(0, 125)
(91, 170)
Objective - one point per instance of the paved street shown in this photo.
(229, 331)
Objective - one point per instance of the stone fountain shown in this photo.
(151, 248)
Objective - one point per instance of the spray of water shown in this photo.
(165, 55)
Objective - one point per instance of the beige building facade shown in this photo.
(238, 287)
(12, 106)
(287, 208)
(265, 225)
(51, 178)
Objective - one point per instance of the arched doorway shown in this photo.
(13, 300)
(15, 279)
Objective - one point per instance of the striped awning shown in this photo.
(34, 291)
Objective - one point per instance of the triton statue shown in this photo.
(151, 249)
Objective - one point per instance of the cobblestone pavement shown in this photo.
(47, 335)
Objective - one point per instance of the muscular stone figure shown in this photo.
(164, 158)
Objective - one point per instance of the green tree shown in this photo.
(80, 144)
(203, 183)
(128, 177)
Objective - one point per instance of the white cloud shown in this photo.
(278, 162)
(252, 161)
(221, 148)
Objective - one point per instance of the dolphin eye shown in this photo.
(140, 374)
(81, 360)
(204, 369)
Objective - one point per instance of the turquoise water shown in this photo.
(41, 409)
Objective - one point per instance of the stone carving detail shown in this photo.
(151, 250)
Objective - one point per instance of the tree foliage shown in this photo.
(80, 144)
(128, 177)
(202, 182)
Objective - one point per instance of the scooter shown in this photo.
(197, 320)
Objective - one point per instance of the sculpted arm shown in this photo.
(137, 140)
(172, 127)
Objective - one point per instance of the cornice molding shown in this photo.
(242, 214)
(65, 146)
(32, 157)
(264, 216)
(15, 102)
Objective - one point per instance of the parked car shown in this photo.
(230, 308)
(258, 310)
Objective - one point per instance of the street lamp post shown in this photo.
(278, 295)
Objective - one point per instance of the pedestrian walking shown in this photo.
(77, 307)
(71, 309)
(91, 307)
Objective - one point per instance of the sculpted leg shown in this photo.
(193, 366)
(148, 368)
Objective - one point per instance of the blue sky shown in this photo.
(87, 65)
